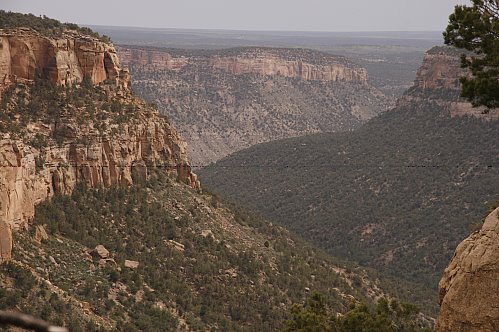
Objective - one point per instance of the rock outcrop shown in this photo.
(270, 64)
(151, 60)
(29, 175)
(438, 79)
(469, 289)
(302, 64)
(26, 54)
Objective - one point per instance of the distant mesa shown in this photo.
(292, 63)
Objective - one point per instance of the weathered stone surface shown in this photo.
(25, 54)
(101, 251)
(131, 264)
(469, 288)
(5, 241)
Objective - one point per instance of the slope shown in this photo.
(109, 227)
(398, 194)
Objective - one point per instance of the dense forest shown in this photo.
(398, 194)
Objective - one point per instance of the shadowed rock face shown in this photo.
(26, 54)
(469, 289)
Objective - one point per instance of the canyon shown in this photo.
(222, 101)
(422, 172)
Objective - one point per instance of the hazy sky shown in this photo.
(309, 15)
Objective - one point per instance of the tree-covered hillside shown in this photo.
(398, 194)
(201, 264)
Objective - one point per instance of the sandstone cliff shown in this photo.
(469, 289)
(26, 54)
(438, 80)
(302, 64)
(51, 138)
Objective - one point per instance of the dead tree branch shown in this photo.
(28, 322)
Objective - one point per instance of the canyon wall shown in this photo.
(260, 61)
(222, 101)
(26, 54)
(114, 148)
(469, 288)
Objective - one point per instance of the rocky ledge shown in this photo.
(437, 80)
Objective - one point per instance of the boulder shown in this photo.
(101, 251)
(131, 264)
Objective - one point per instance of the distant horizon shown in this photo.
(256, 15)
(257, 30)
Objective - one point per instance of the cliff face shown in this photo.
(270, 65)
(441, 69)
(469, 289)
(438, 80)
(258, 61)
(151, 60)
(26, 54)
(86, 140)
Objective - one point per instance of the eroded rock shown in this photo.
(469, 288)
(131, 264)
(101, 251)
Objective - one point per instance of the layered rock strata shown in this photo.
(438, 79)
(261, 61)
(26, 54)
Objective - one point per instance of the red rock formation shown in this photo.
(109, 159)
(441, 69)
(270, 64)
(469, 288)
(26, 54)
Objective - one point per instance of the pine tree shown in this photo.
(476, 28)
